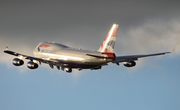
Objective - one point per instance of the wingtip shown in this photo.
(172, 50)
(6, 48)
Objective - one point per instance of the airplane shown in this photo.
(68, 58)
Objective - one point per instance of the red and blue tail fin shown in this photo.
(108, 44)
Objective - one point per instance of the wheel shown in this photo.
(69, 70)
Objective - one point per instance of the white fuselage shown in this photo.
(69, 57)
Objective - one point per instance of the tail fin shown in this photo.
(108, 44)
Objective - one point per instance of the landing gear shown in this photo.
(79, 69)
(58, 67)
(69, 70)
(62, 68)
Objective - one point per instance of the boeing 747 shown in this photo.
(68, 58)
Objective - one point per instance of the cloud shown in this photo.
(151, 36)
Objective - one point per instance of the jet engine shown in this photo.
(129, 64)
(32, 65)
(18, 62)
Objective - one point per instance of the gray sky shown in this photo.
(144, 25)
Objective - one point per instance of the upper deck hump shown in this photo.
(51, 45)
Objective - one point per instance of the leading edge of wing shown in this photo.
(135, 57)
(27, 57)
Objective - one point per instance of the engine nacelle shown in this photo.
(32, 65)
(129, 64)
(17, 62)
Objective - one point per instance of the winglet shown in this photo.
(6, 48)
(172, 50)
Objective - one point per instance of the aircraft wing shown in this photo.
(52, 62)
(120, 59)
